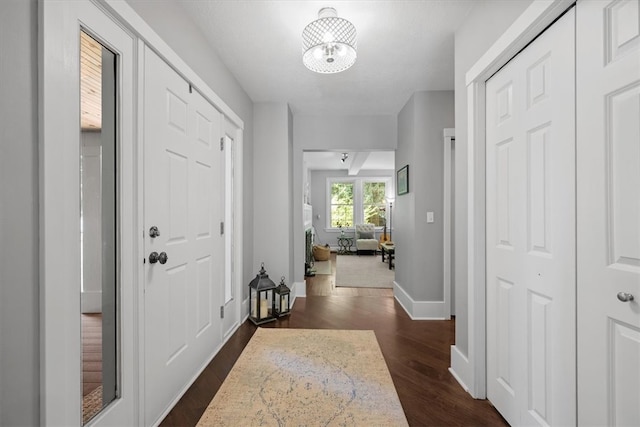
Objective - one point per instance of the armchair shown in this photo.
(366, 238)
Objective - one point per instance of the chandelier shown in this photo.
(329, 43)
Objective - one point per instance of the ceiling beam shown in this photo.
(357, 162)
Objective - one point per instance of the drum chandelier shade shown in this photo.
(329, 43)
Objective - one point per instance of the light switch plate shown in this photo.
(430, 217)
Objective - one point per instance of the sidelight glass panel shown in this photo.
(98, 226)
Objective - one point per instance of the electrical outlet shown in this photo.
(430, 217)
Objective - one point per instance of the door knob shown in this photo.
(154, 232)
(624, 297)
(155, 257)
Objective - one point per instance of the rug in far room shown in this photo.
(307, 377)
(322, 267)
(364, 271)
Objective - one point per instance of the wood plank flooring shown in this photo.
(91, 352)
(416, 352)
(325, 284)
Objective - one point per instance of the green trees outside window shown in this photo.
(341, 204)
(373, 203)
(358, 200)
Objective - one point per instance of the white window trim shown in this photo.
(357, 198)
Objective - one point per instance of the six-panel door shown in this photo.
(530, 164)
(182, 198)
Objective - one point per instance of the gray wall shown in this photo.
(481, 28)
(19, 261)
(273, 191)
(345, 132)
(419, 245)
(169, 20)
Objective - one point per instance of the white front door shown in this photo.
(530, 166)
(182, 195)
(608, 203)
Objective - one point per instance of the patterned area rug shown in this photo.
(364, 271)
(304, 377)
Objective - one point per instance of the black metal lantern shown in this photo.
(281, 299)
(261, 298)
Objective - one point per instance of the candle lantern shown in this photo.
(281, 299)
(261, 298)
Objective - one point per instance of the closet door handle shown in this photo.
(625, 297)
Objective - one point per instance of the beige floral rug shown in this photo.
(305, 377)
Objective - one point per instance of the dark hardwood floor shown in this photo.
(91, 352)
(416, 352)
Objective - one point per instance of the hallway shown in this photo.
(416, 353)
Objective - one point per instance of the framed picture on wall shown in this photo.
(402, 180)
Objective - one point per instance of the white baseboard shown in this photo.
(91, 301)
(460, 368)
(300, 290)
(245, 310)
(418, 310)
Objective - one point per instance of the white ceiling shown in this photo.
(356, 161)
(404, 46)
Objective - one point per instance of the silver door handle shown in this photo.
(625, 297)
(155, 257)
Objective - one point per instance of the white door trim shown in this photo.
(59, 166)
(136, 24)
(449, 137)
(539, 15)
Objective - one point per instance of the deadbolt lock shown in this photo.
(154, 232)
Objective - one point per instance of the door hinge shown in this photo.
(222, 144)
(221, 227)
(222, 311)
(190, 88)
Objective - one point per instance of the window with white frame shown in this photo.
(356, 201)
(341, 204)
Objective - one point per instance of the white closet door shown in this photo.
(530, 164)
(181, 198)
(608, 118)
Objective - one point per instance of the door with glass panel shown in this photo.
(88, 283)
(106, 220)
(99, 223)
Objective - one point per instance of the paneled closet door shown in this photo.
(608, 123)
(184, 271)
(530, 166)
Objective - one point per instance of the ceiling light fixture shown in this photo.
(345, 156)
(329, 43)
